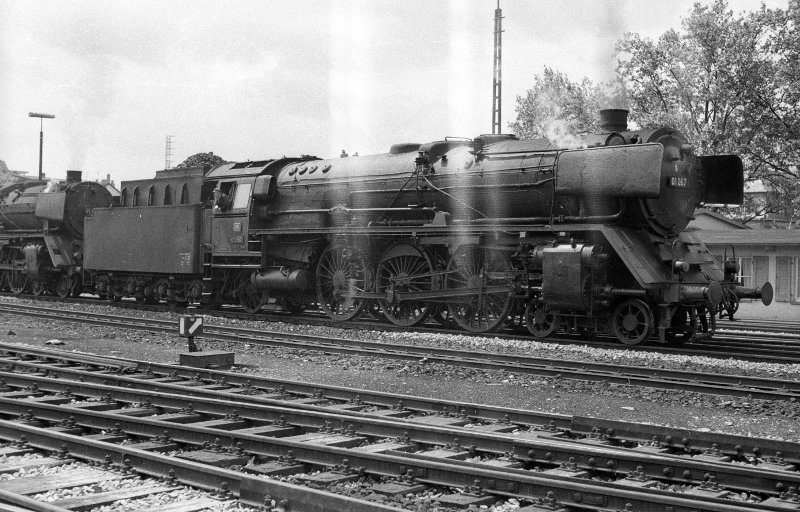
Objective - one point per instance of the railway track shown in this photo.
(749, 340)
(761, 388)
(221, 431)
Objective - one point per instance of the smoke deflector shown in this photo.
(722, 180)
(613, 171)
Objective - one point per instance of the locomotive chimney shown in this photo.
(614, 120)
(74, 176)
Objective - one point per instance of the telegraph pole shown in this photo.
(498, 81)
(42, 117)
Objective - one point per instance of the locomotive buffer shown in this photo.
(190, 326)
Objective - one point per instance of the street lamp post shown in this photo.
(41, 135)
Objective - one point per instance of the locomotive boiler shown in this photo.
(482, 232)
(41, 233)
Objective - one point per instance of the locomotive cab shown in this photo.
(230, 199)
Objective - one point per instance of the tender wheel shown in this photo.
(540, 320)
(161, 290)
(404, 268)
(194, 291)
(341, 273)
(632, 322)
(38, 287)
(250, 298)
(102, 287)
(488, 275)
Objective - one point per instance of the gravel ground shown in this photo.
(754, 418)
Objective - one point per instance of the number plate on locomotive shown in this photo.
(678, 181)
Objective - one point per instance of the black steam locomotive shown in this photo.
(41, 234)
(478, 232)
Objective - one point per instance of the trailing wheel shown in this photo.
(250, 298)
(487, 276)
(632, 322)
(65, 286)
(540, 320)
(341, 273)
(404, 268)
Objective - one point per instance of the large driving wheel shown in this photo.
(488, 276)
(17, 280)
(341, 273)
(632, 322)
(540, 320)
(404, 268)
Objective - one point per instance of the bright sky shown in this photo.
(259, 79)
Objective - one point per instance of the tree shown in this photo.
(204, 160)
(555, 105)
(730, 82)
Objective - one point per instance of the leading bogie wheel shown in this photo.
(342, 274)
(683, 326)
(540, 320)
(488, 274)
(404, 268)
(632, 322)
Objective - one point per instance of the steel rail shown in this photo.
(506, 483)
(250, 489)
(781, 348)
(27, 503)
(591, 455)
(120, 372)
(701, 382)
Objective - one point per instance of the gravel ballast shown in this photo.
(681, 409)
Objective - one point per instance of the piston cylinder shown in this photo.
(711, 293)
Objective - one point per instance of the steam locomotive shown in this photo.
(41, 234)
(481, 232)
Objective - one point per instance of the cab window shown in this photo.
(242, 197)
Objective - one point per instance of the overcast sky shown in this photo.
(260, 79)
